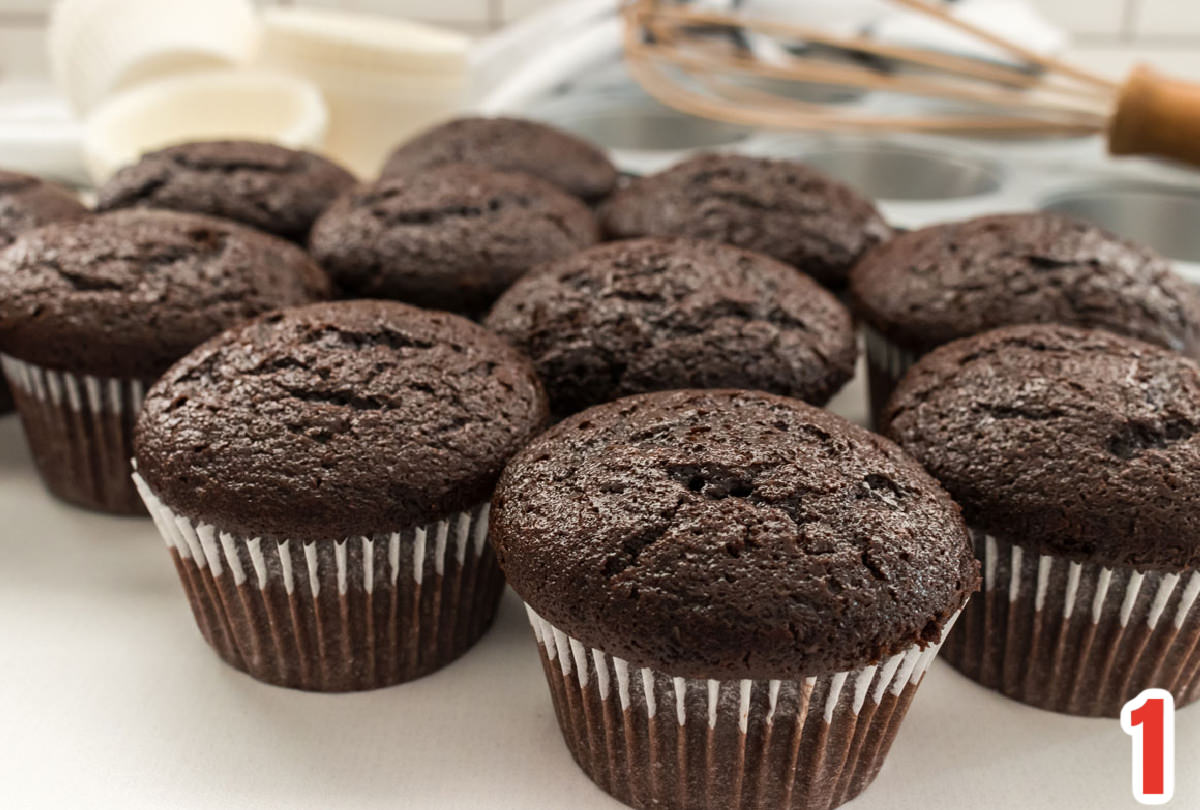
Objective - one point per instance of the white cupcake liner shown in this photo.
(887, 356)
(887, 363)
(80, 431)
(1075, 637)
(338, 615)
(653, 740)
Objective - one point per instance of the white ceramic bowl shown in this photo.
(384, 79)
(203, 106)
(100, 47)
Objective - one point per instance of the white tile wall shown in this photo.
(470, 14)
(1093, 18)
(22, 49)
(1117, 31)
(31, 7)
(1167, 18)
(1090, 17)
(516, 9)
(1084, 16)
(1117, 62)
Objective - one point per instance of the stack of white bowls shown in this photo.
(144, 74)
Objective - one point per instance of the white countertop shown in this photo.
(110, 699)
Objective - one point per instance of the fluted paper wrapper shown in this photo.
(340, 615)
(887, 363)
(655, 741)
(1074, 637)
(80, 432)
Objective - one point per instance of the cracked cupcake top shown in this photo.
(127, 293)
(269, 187)
(1069, 441)
(654, 314)
(450, 238)
(931, 286)
(512, 145)
(730, 534)
(337, 420)
(778, 207)
(28, 202)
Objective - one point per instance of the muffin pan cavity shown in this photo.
(642, 134)
(1162, 216)
(893, 172)
(653, 127)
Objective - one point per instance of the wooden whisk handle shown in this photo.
(1157, 116)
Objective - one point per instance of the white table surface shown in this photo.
(109, 698)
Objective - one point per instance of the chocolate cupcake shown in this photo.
(321, 477)
(735, 594)
(778, 207)
(1075, 455)
(450, 238)
(929, 287)
(654, 314)
(91, 312)
(272, 188)
(26, 203)
(511, 145)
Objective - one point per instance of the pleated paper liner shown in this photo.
(886, 365)
(80, 431)
(654, 741)
(341, 615)
(1077, 638)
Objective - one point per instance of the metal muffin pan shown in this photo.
(642, 134)
(1165, 217)
(900, 173)
(923, 180)
(916, 180)
(650, 127)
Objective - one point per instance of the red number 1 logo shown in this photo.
(1150, 719)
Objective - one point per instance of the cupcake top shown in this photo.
(659, 313)
(27, 202)
(509, 144)
(778, 207)
(452, 238)
(269, 187)
(1069, 441)
(125, 294)
(335, 420)
(928, 287)
(730, 534)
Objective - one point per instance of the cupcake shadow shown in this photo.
(54, 550)
(949, 703)
(487, 712)
(14, 454)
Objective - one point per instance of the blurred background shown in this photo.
(1108, 35)
(87, 86)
